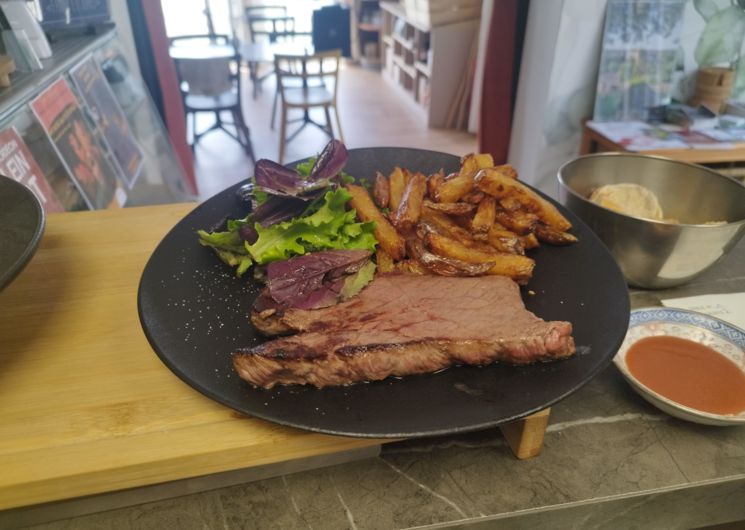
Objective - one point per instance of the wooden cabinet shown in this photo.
(430, 65)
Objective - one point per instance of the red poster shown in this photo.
(17, 163)
(75, 142)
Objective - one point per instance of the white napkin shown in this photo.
(728, 307)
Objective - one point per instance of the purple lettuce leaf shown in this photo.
(277, 179)
(313, 280)
(330, 162)
(277, 209)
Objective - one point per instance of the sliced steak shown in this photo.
(402, 325)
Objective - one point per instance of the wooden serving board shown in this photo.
(86, 406)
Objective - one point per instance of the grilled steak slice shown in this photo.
(402, 325)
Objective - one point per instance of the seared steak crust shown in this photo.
(402, 325)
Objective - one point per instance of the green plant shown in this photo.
(723, 37)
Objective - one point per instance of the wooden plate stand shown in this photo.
(525, 436)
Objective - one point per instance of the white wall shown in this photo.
(556, 89)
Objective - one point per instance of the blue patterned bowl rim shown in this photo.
(684, 316)
(719, 327)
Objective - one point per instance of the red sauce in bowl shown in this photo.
(688, 373)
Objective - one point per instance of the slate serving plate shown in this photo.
(195, 313)
(21, 227)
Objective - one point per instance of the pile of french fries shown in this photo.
(480, 220)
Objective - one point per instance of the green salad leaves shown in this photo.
(326, 225)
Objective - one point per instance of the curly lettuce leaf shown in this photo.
(330, 227)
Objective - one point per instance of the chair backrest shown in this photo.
(211, 66)
(269, 22)
(300, 70)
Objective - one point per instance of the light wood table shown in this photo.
(87, 408)
(595, 142)
(85, 404)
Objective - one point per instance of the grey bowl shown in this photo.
(658, 254)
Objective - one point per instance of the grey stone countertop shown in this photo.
(610, 460)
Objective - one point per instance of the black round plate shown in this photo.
(21, 227)
(195, 313)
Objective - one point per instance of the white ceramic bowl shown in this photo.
(726, 339)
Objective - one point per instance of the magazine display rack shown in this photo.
(85, 134)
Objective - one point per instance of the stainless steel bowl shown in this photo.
(658, 254)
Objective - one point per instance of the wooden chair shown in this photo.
(295, 77)
(209, 81)
(269, 23)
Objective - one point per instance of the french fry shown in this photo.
(484, 160)
(452, 208)
(434, 181)
(505, 241)
(530, 241)
(397, 185)
(549, 234)
(494, 183)
(517, 267)
(473, 197)
(507, 170)
(381, 190)
(443, 265)
(384, 261)
(484, 218)
(455, 188)
(387, 237)
(410, 206)
(410, 266)
(444, 224)
(471, 163)
(518, 221)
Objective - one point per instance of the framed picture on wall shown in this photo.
(641, 40)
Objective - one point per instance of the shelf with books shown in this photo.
(426, 63)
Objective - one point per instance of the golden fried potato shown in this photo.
(453, 189)
(473, 162)
(473, 197)
(410, 207)
(410, 266)
(381, 190)
(452, 208)
(549, 234)
(383, 260)
(397, 184)
(517, 267)
(443, 265)
(444, 224)
(495, 183)
(507, 170)
(518, 221)
(434, 181)
(505, 241)
(530, 241)
(387, 237)
(484, 218)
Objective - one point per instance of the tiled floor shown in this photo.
(373, 113)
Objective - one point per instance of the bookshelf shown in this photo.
(427, 64)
